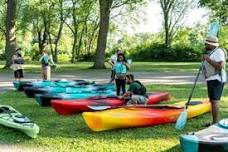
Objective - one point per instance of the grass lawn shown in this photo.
(34, 67)
(70, 133)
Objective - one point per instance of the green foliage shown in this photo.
(218, 7)
(158, 52)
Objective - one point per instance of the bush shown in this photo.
(158, 52)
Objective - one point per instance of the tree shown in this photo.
(105, 9)
(10, 32)
(173, 12)
(218, 7)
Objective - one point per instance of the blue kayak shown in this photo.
(31, 91)
(45, 99)
(19, 85)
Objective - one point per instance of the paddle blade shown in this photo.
(181, 121)
(98, 108)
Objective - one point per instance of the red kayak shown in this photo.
(68, 107)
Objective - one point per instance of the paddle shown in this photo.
(101, 97)
(182, 119)
(104, 107)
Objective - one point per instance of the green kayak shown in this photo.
(9, 117)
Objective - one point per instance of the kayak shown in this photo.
(140, 117)
(45, 99)
(9, 117)
(77, 88)
(19, 85)
(211, 139)
(68, 107)
(60, 83)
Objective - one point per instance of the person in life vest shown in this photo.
(213, 67)
(112, 62)
(17, 62)
(120, 69)
(46, 61)
(136, 93)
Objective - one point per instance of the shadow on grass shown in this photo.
(175, 148)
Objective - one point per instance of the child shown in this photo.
(46, 69)
(17, 62)
(120, 70)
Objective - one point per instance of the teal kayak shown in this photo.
(19, 85)
(211, 139)
(60, 83)
(9, 117)
(31, 91)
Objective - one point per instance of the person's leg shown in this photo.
(117, 87)
(44, 73)
(214, 111)
(123, 83)
(133, 100)
(48, 73)
(21, 74)
(16, 75)
(112, 75)
(215, 89)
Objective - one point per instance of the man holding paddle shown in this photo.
(213, 68)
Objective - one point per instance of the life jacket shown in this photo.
(208, 70)
(20, 60)
(120, 68)
(45, 61)
(141, 90)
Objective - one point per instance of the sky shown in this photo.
(153, 19)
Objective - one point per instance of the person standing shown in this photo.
(17, 62)
(112, 62)
(213, 68)
(46, 61)
(120, 71)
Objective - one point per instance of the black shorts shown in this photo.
(214, 88)
(18, 73)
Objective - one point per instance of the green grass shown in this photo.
(70, 133)
(34, 67)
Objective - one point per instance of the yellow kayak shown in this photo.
(141, 116)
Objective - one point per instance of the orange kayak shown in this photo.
(139, 117)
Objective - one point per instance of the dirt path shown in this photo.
(101, 77)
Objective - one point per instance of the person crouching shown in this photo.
(136, 93)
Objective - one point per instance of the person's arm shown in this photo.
(218, 62)
(51, 60)
(125, 95)
(110, 62)
(13, 59)
(127, 65)
(41, 58)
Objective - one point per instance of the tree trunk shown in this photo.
(73, 50)
(10, 32)
(59, 31)
(166, 30)
(105, 6)
(57, 42)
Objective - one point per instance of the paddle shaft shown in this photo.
(133, 106)
(194, 85)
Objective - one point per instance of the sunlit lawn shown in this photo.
(34, 67)
(59, 133)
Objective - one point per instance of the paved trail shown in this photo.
(146, 77)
